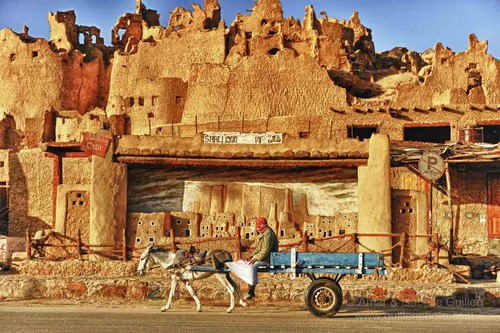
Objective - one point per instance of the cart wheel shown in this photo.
(323, 297)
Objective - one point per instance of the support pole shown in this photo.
(436, 248)
(79, 244)
(402, 242)
(452, 220)
(57, 180)
(124, 245)
(173, 247)
(237, 242)
(28, 245)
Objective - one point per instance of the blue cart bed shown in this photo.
(320, 263)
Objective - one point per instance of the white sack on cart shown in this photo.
(242, 270)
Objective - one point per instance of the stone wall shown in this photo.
(170, 57)
(36, 79)
(76, 171)
(467, 77)
(470, 211)
(31, 76)
(30, 193)
(281, 85)
(378, 294)
(85, 81)
(116, 280)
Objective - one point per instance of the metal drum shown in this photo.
(471, 135)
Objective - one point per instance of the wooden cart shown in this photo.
(323, 296)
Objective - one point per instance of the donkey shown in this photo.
(177, 264)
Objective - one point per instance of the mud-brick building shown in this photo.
(211, 126)
(463, 202)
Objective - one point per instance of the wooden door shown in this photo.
(494, 205)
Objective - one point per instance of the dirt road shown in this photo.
(23, 317)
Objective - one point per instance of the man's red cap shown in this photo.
(261, 224)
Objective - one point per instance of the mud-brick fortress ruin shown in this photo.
(211, 126)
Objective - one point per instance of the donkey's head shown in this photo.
(165, 258)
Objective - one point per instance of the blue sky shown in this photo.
(415, 24)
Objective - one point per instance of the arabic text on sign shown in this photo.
(242, 138)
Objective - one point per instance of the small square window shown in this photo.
(154, 100)
(361, 132)
(34, 54)
(141, 101)
(12, 57)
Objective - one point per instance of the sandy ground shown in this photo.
(49, 316)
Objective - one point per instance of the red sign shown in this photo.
(95, 144)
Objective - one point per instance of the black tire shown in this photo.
(323, 297)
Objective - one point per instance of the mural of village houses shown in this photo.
(186, 134)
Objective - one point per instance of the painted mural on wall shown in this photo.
(321, 203)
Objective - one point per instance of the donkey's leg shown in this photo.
(225, 282)
(193, 294)
(236, 287)
(173, 286)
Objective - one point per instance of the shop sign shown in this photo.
(95, 144)
(268, 138)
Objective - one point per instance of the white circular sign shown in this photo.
(431, 166)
